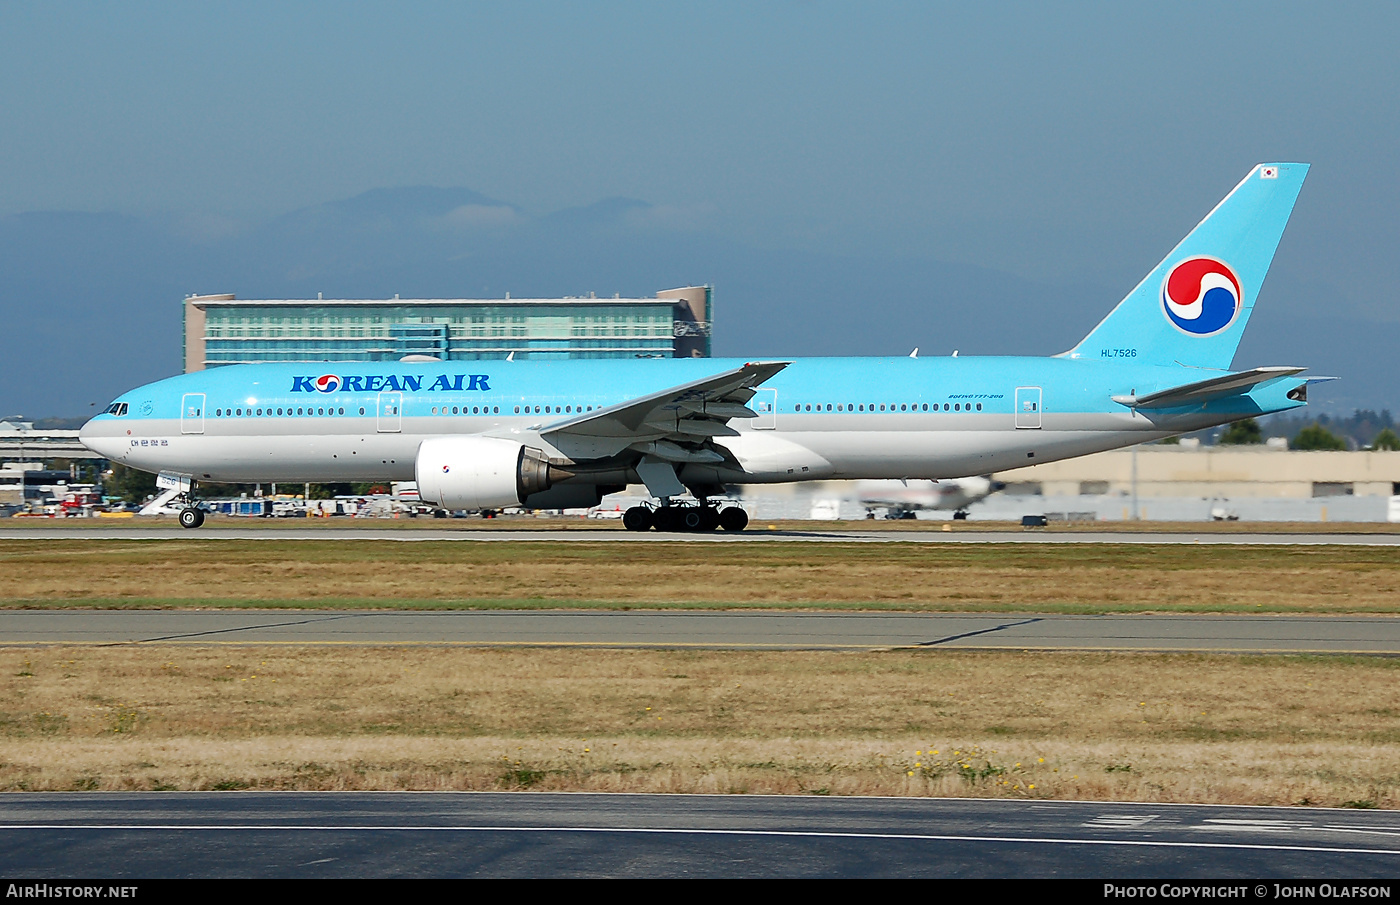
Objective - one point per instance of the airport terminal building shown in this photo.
(224, 330)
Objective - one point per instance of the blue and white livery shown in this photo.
(493, 434)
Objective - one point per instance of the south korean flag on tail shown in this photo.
(1268, 172)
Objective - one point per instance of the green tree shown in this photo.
(1315, 436)
(131, 484)
(1386, 439)
(1242, 433)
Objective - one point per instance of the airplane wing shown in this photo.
(1204, 390)
(689, 413)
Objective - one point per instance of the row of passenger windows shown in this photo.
(555, 409)
(231, 413)
(437, 410)
(571, 409)
(902, 407)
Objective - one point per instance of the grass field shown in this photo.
(1248, 730)
(1089, 578)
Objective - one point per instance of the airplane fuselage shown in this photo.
(818, 418)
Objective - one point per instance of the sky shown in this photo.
(1067, 144)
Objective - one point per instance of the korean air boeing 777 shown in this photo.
(554, 434)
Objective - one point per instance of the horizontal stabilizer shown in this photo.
(1203, 390)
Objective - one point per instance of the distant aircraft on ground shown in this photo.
(555, 434)
(901, 499)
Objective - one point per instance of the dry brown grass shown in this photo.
(1005, 578)
(1259, 730)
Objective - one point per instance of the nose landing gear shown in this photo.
(191, 517)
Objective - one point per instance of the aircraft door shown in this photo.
(192, 413)
(1028, 406)
(390, 419)
(765, 403)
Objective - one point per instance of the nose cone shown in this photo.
(104, 437)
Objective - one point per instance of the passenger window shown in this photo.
(903, 408)
(340, 411)
(979, 406)
(362, 410)
(517, 409)
(497, 410)
(945, 406)
(882, 407)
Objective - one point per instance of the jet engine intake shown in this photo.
(479, 472)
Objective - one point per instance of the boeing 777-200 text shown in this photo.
(552, 434)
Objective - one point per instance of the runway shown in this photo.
(354, 834)
(1374, 635)
(593, 535)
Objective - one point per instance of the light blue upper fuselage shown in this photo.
(989, 383)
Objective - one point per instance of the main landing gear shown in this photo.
(691, 517)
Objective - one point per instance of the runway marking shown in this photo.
(677, 831)
(1120, 821)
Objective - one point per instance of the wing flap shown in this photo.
(1204, 390)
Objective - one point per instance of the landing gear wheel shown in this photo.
(960, 516)
(190, 517)
(661, 518)
(637, 518)
(691, 518)
(733, 519)
(709, 518)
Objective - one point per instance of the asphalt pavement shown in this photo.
(701, 629)
(386, 834)
(359, 531)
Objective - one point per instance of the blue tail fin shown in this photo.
(1192, 308)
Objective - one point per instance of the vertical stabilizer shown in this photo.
(1192, 308)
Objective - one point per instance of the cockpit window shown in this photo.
(116, 408)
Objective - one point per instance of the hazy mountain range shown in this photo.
(92, 301)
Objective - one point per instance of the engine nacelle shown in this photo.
(479, 472)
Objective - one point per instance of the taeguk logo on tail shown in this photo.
(1201, 296)
(326, 383)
